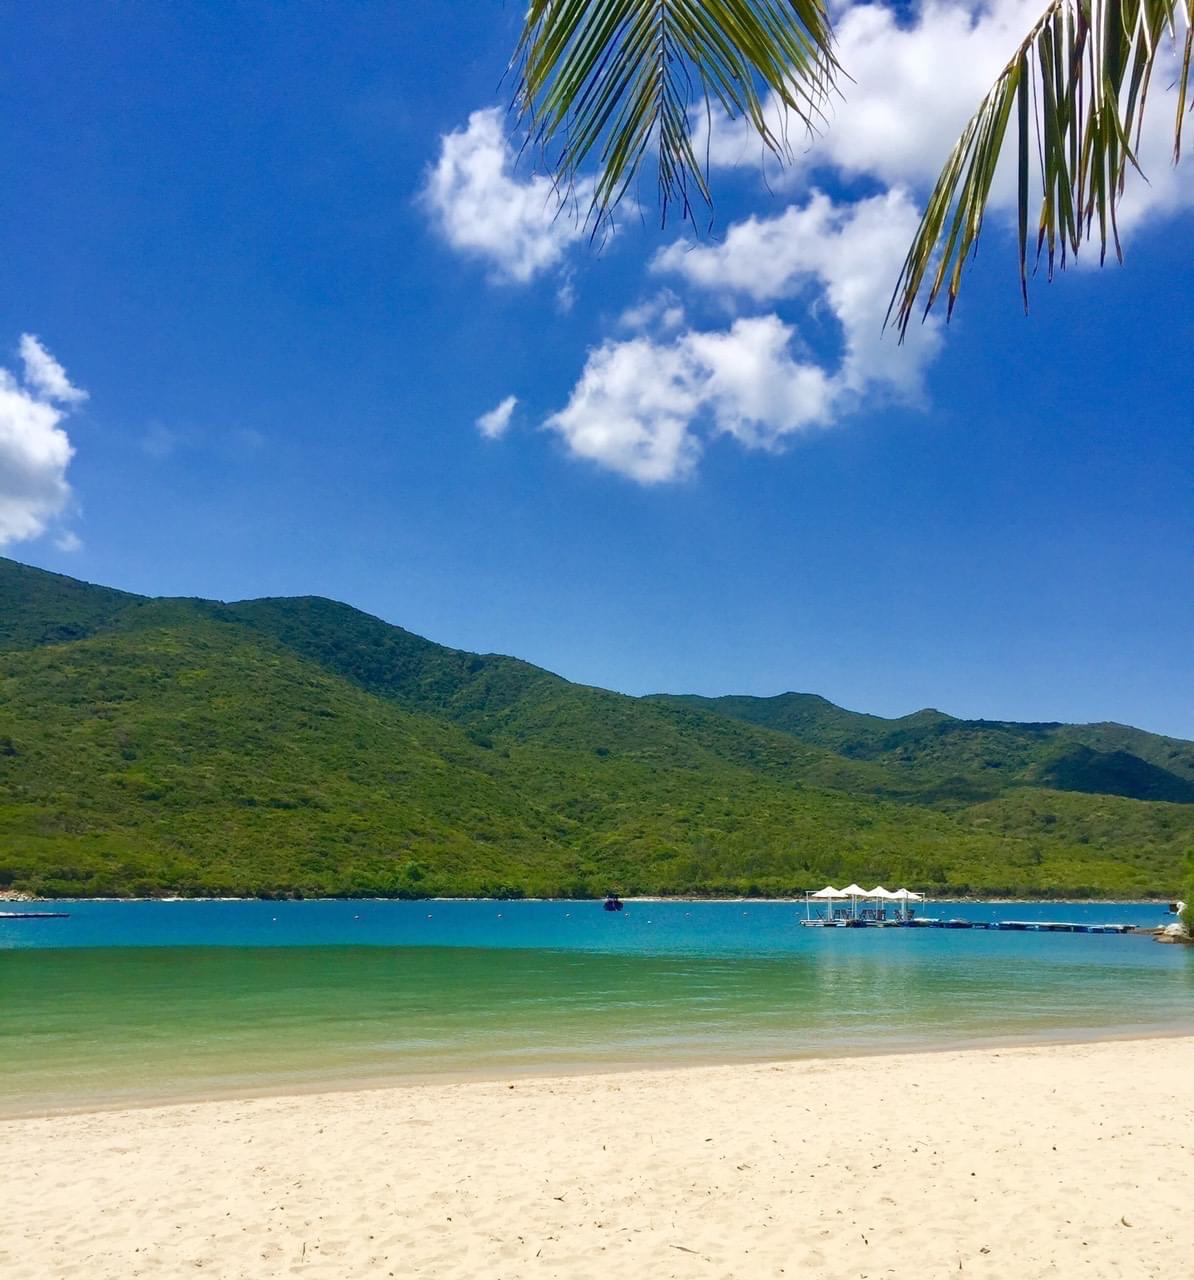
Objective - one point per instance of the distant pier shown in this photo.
(997, 926)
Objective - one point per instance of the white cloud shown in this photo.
(1170, 187)
(662, 312)
(45, 375)
(566, 295)
(764, 258)
(915, 83)
(631, 411)
(68, 541)
(758, 393)
(844, 255)
(847, 255)
(496, 422)
(34, 449)
(646, 406)
(521, 227)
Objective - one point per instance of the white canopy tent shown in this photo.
(856, 894)
(876, 895)
(829, 893)
(905, 897)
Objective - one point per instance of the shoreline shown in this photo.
(18, 896)
(1028, 1161)
(482, 1075)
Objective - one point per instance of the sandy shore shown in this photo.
(1060, 1161)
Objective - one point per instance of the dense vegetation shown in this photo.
(302, 747)
(932, 753)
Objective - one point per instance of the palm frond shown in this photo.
(1077, 87)
(617, 80)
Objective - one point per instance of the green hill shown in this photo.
(929, 751)
(303, 747)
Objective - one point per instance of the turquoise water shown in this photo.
(153, 1000)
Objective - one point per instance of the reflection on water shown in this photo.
(98, 1023)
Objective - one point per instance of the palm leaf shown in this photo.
(1082, 77)
(617, 80)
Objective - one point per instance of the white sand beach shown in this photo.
(1060, 1161)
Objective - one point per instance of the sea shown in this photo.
(126, 1003)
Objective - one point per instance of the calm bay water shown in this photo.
(153, 1000)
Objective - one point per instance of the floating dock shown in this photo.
(997, 926)
(1061, 926)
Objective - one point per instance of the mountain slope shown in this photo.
(190, 760)
(300, 746)
(948, 759)
(37, 607)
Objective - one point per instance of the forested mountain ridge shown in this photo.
(301, 746)
(930, 746)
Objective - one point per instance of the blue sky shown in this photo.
(279, 251)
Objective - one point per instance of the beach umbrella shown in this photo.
(882, 895)
(828, 892)
(906, 896)
(854, 892)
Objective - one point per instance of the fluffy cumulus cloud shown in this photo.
(844, 255)
(643, 407)
(810, 285)
(496, 422)
(519, 226)
(915, 84)
(916, 80)
(35, 451)
(646, 406)
(632, 410)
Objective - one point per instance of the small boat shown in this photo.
(34, 915)
(613, 903)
